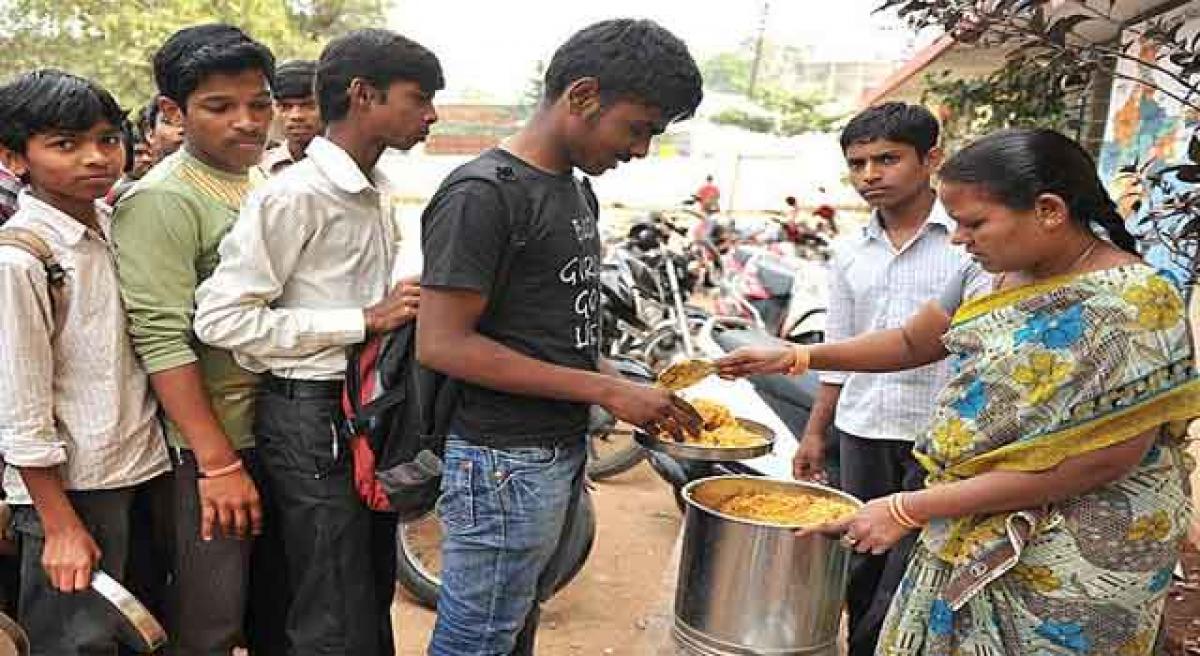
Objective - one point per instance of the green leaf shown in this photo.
(112, 41)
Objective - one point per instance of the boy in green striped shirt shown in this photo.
(214, 81)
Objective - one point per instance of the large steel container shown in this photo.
(751, 588)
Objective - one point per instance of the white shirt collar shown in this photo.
(341, 169)
(64, 226)
(937, 216)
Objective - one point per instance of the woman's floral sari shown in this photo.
(1045, 373)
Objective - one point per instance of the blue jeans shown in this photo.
(502, 513)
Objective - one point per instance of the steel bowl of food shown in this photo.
(724, 438)
(747, 583)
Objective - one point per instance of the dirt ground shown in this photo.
(1183, 609)
(620, 593)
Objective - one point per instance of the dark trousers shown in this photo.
(340, 556)
(871, 469)
(224, 592)
(61, 624)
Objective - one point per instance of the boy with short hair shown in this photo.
(296, 108)
(215, 82)
(163, 137)
(78, 424)
(902, 259)
(304, 274)
(531, 367)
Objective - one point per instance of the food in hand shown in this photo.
(721, 428)
(685, 373)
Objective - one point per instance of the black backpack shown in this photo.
(396, 411)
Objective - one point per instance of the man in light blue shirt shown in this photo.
(902, 259)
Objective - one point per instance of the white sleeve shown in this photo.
(28, 433)
(233, 307)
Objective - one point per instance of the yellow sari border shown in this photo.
(985, 303)
(981, 305)
(1048, 451)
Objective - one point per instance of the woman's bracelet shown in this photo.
(232, 467)
(899, 513)
(800, 360)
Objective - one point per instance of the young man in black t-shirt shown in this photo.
(531, 367)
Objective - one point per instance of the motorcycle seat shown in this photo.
(775, 279)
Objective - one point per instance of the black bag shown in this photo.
(396, 411)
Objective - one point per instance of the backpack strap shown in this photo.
(361, 358)
(56, 275)
(504, 180)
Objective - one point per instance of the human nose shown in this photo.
(248, 118)
(640, 148)
(871, 172)
(95, 154)
(959, 237)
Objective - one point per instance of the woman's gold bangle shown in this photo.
(899, 513)
(800, 360)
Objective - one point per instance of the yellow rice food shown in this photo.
(785, 509)
(720, 427)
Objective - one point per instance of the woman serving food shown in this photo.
(1057, 489)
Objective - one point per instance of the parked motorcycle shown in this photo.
(758, 286)
(804, 321)
(646, 283)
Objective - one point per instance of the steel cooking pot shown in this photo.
(751, 588)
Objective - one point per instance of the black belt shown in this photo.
(294, 388)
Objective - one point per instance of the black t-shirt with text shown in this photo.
(549, 308)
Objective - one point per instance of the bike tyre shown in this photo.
(424, 587)
(412, 576)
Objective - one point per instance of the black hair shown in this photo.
(194, 53)
(894, 121)
(790, 200)
(378, 56)
(1016, 166)
(130, 135)
(294, 79)
(46, 100)
(147, 117)
(636, 60)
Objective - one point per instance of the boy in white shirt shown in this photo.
(78, 425)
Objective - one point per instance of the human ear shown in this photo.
(1051, 211)
(583, 96)
(14, 162)
(934, 158)
(169, 111)
(362, 93)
